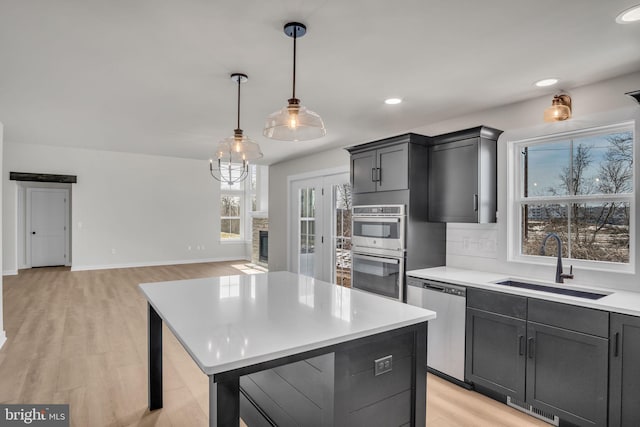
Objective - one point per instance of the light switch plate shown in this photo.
(383, 365)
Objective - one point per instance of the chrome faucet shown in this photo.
(560, 276)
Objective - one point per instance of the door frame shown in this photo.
(27, 222)
(307, 176)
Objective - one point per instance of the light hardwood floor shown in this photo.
(80, 338)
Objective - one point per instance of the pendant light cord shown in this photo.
(239, 79)
(295, 36)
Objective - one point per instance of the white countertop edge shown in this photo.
(304, 348)
(623, 302)
(245, 362)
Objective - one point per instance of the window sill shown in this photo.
(601, 266)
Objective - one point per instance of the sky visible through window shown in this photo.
(549, 162)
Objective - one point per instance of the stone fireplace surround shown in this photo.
(259, 222)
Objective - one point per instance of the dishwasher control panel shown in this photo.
(433, 285)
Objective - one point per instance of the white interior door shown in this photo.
(316, 250)
(47, 211)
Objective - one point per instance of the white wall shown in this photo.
(128, 209)
(3, 336)
(278, 174)
(483, 246)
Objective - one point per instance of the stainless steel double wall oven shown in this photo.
(379, 249)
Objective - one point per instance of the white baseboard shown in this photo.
(10, 273)
(153, 263)
(3, 338)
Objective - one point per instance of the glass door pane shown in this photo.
(342, 234)
(307, 226)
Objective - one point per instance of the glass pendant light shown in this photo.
(560, 109)
(294, 122)
(233, 154)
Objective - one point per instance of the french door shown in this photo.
(320, 228)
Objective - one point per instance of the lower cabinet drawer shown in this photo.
(572, 317)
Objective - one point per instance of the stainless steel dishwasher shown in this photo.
(446, 334)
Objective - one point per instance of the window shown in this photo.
(237, 201)
(578, 185)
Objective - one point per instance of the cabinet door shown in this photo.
(624, 380)
(495, 356)
(394, 168)
(363, 172)
(453, 181)
(567, 374)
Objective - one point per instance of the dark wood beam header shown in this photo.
(42, 177)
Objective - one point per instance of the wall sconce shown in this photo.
(560, 108)
(635, 95)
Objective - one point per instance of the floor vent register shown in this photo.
(534, 412)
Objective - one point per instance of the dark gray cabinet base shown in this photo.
(624, 379)
(551, 356)
(341, 388)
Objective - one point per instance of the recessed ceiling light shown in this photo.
(392, 101)
(630, 15)
(546, 82)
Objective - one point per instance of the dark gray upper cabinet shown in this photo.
(549, 355)
(389, 164)
(624, 379)
(462, 176)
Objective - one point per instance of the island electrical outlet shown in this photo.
(383, 365)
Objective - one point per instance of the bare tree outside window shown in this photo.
(587, 203)
(343, 234)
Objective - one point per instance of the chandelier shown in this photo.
(230, 163)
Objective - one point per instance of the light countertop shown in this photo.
(231, 322)
(616, 301)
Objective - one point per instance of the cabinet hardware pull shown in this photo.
(616, 348)
(475, 203)
(379, 175)
(373, 174)
(521, 345)
(532, 350)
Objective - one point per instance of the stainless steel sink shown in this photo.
(593, 295)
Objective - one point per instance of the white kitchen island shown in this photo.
(236, 326)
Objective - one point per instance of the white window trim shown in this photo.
(235, 193)
(246, 214)
(514, 214)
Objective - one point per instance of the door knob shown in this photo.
(33, 232)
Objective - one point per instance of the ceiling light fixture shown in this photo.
(629, 16)
(560, 108)
(393, 101)
(294, 122)
(234, 153)
(546, 82)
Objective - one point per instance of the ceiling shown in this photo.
(152, 76)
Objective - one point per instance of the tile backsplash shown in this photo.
(472, 246)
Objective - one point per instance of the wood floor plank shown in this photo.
(81, 338)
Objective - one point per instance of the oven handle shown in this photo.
(378, 259)
(375, 219)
